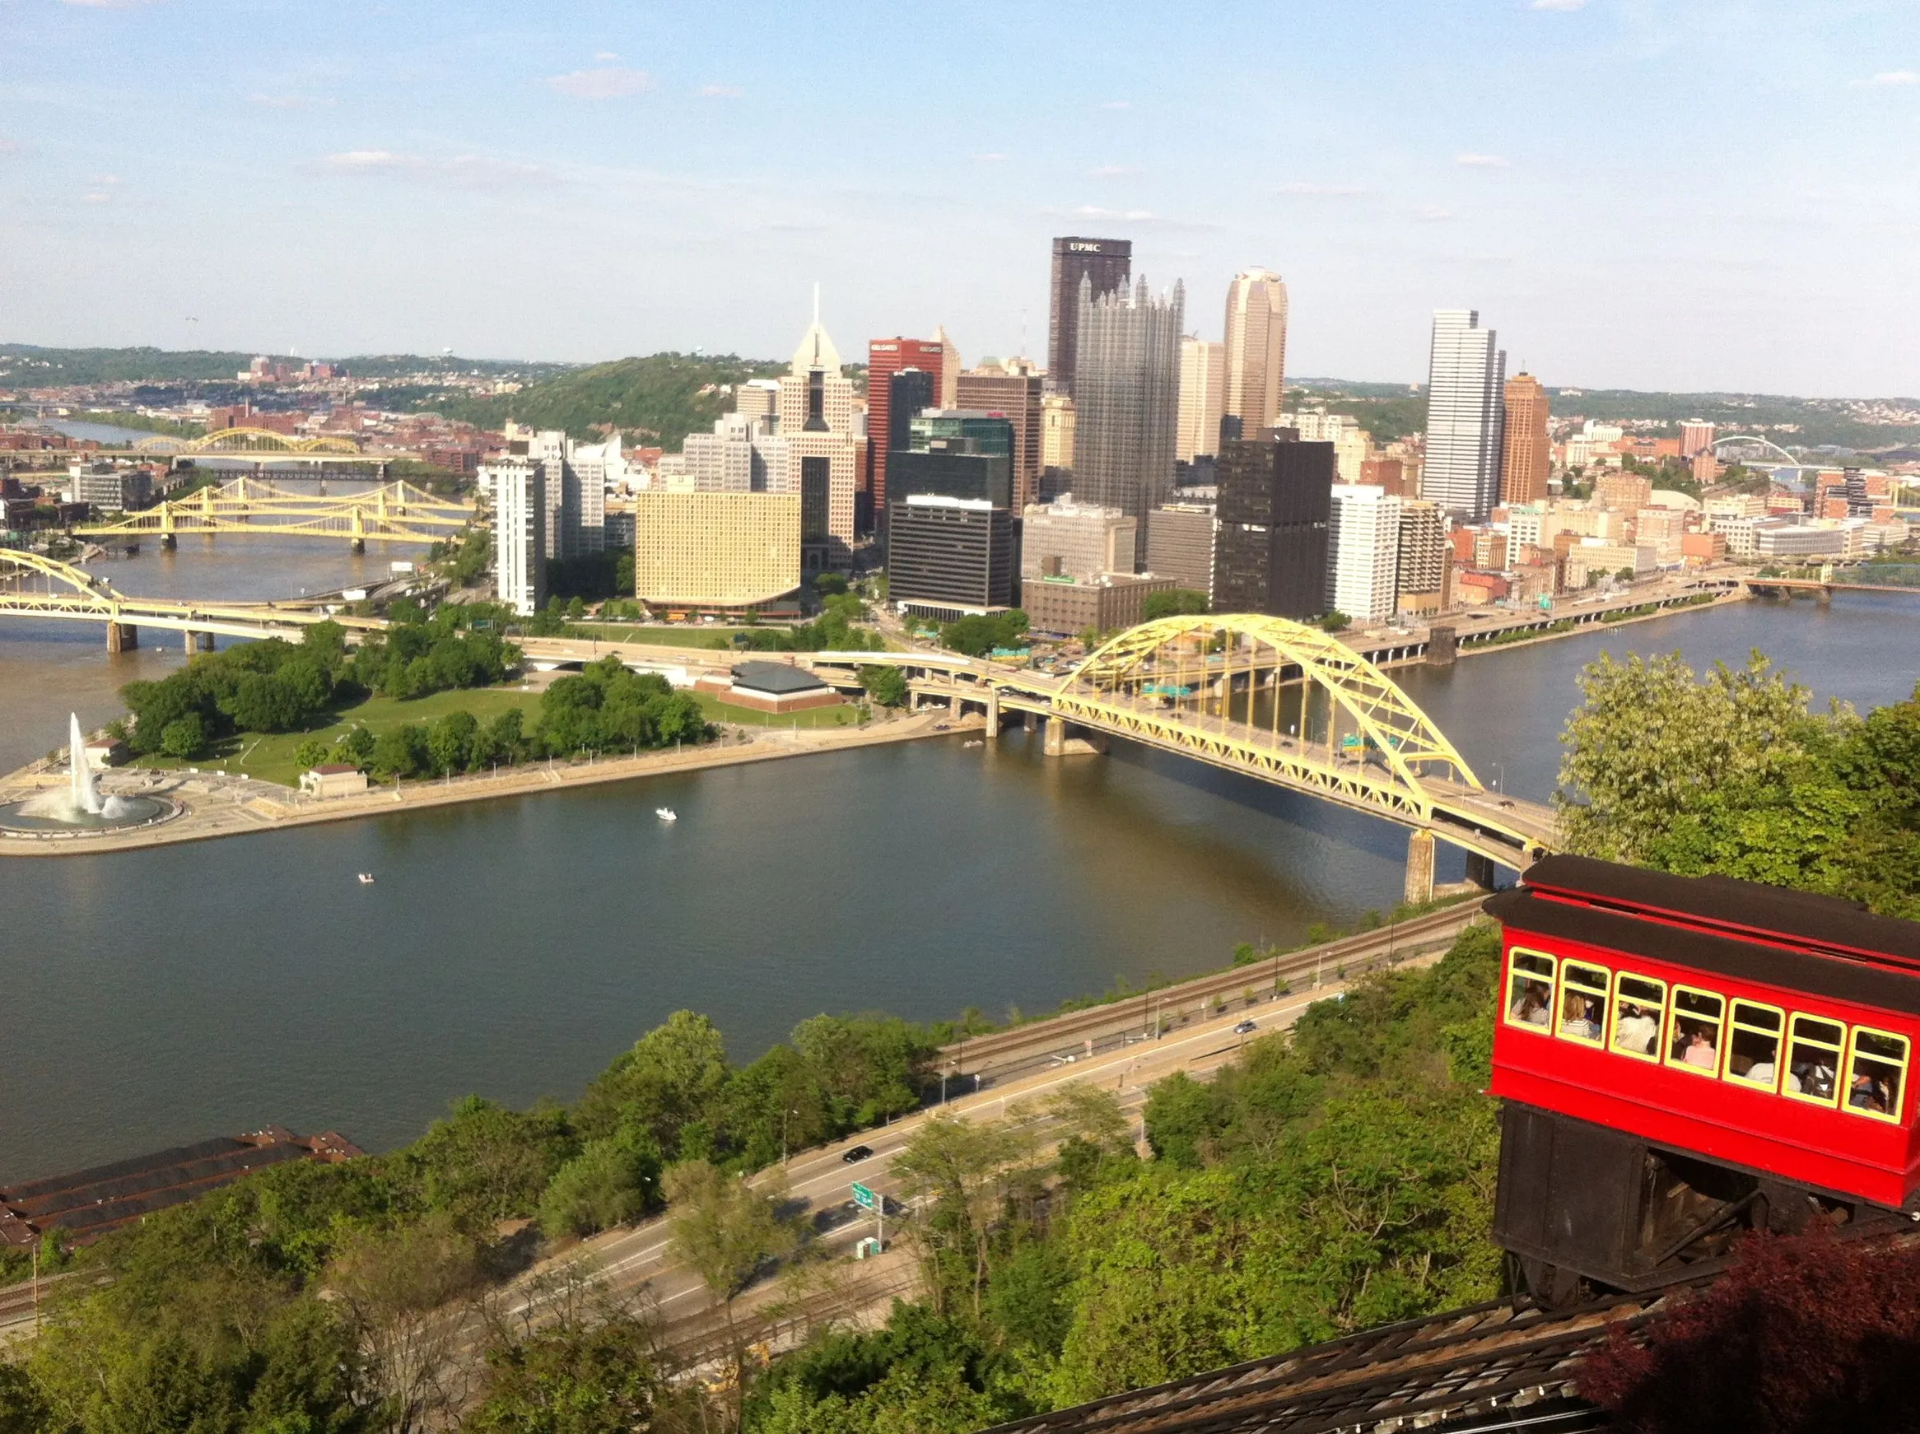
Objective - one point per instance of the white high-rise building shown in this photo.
(1363, 551)
(518, 487)
(1203, 397)
(575, 491)
(1466, 377)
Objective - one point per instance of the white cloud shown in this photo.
(991, 158)
(1433, 214)
(1111, 171)
(1556, 4)
(106, 179)
(1117, 105)
(1895, 77)
(720, 92)
(106, 4)
(1480, 161)
(459, 171)
(1324, 191)
(608, 83)
(96, 198)
(11, 146)
(607, 57)
(290, 102)
(1094, 211)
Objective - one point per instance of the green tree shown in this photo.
(311, 753)
(485, 1162)
(356, 745)
(184, 736)
(964, 1172)
(450, 742)
(1335, 621)
(400, 751)
(577, 1363)
(885, 685)
(610, 1182)
(669, 1079)
(1176, 602)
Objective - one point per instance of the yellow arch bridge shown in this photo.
(1268, 698)
(33, 586)
(256, 507)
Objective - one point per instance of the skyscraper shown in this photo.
(519, 489)
(1464, 380)
(1107, 264)
(886, 357)
(1014, 389)
(1203, 397)
(1270, 548)
(1525, 451)
(816, 420)
(1256, 348)
(949, 370)
(1127, 399)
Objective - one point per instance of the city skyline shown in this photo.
(392, 180)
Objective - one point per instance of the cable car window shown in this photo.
(1530, 990)
(1639, 1006)
(1583, 1002)
(1753, 1047)
(1693, 1035)
(1876, 1074)
(1813, 1059)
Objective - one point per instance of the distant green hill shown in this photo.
(659, 399)
(30, 366)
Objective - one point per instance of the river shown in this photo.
(512, 948)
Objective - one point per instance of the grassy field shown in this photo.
(844, 715)
(270, 758)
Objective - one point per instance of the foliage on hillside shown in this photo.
(1387, 417)
(1729, 773)
(339, 1297)
(655, 400)
(1318, 1185)
(31, 366)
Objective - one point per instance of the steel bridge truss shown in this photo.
(392, 512)
(36, 586)
(262, 443)
(1195, 684)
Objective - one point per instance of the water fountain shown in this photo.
(80, 806)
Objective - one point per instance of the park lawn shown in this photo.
(843, 715)
(269, 758)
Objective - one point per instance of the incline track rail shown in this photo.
(1428, 1373)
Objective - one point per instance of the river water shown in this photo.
(512, 948)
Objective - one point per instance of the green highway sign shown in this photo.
(865, 1198)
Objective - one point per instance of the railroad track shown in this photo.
(1038, 1042)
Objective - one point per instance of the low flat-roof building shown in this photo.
(1064, 606)
(333, 779)
(770, 687)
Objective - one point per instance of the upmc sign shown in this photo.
(1081, 248)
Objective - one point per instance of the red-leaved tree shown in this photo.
(1804, 1335)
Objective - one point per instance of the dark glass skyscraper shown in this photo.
(1107, 264)
(1270, 553)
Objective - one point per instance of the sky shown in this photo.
(1634, 194)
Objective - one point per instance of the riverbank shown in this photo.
(219, 805)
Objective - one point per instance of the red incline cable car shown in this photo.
(1682, 1058)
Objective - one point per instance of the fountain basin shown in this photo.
(30, 818)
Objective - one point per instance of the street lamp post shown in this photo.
(783, 1133)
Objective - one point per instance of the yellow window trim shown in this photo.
(1843, 1081)
(1673, 1025)
(1779, 1039)
(1613, 1018)
(1837, 1052)
(1599, 992)
(1551, 977)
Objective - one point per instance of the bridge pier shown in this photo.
(993, 714)
(1054, 744)
(358, 545)
(122, 637)
(1480, 870)
(1419, 888)
(190, 643)
(169, 542)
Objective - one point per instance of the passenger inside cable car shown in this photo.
(1580, 1018)
(1530, 1002)
(1638, 1029)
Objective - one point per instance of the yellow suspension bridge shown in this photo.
(261, 444)
(1270, 699)
(256, 507)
